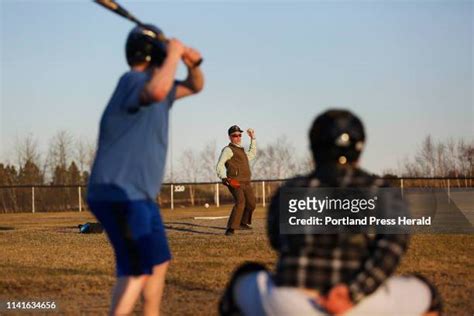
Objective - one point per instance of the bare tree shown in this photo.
(26, 150)
(29, 161)
(208, 159)
(465, 157)
(190, 170)
(466, 154)
(84, 154)
(8, 176)
(276, 161)
(441, 159)
(305, 164)
(167, 176)
(410, 169)
(426, 157)
(189, 166)
(60, 152)
(81, 154)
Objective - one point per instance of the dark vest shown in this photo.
(238, 166)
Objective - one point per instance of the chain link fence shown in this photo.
(16, 199)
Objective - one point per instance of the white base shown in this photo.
(211, 217)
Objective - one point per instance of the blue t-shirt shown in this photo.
(133, 141)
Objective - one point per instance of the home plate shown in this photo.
(211, 217)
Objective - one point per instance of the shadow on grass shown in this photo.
(190, 286)
(66, 229)
(196, 225)
(53, 271)
(189, 230)
(2, 228)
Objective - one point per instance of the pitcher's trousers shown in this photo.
(244, 205)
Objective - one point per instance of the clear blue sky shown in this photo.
(405, 67)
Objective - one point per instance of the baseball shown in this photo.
(206, 205)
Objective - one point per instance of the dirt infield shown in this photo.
(44, 258)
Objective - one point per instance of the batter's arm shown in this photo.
(194, 83)
(162, 78)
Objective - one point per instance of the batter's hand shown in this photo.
(176, 48)
(251, 133)
(191, 57)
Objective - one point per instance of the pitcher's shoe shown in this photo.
(245, 227)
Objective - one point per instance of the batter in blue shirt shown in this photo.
(129, 165)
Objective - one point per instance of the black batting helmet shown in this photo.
(337, 136)
(145, 44)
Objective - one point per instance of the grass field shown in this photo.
(44, 258)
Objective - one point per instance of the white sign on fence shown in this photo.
(179, 188)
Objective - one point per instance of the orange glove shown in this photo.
(338, 300)
(231, 182)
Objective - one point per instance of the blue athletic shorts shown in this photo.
(136, 232)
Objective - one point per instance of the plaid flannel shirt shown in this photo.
(361, 261)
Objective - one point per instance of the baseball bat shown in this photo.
(118, 9)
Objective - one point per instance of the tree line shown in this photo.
(439, 158)
(68, 160)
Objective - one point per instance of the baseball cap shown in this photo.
(233, 129)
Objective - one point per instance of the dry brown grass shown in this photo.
(43, 257)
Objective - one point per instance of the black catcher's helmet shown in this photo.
(337, 136)
(145, 44)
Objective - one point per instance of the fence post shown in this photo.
(263, 193)
(217, 195)
(33, 199)
(401, 187)
(172, 197)
(449, 191)
(79, 196)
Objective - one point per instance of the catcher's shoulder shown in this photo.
(363, 177)
(300, 181)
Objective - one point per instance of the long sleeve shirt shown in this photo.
(227, 153)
